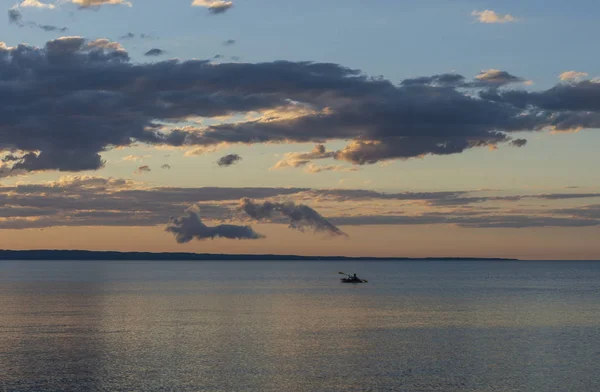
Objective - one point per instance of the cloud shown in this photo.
(95, 99)
(131, 35)
(489, 16)
(363, 194)
(187, 228)
(479, 222)
(135, 158)
(518, 142)
(498, 77)
(71, 201)
(36, 4)
(228, 160)
(51, 28)
(229, 42)
(104, 43)
(297, 159)
(565, 196)
(312, 168)
(214, 6)
(15, 16)
(155, 52)
(584, 212)
(441, 80)
(143, 169)
(301, 217)
(166, 166)
(97, 201)
(572, 75)
(97, 3)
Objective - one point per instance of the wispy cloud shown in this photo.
(312, 168)
(16, 17)
(98, 3)
(104, 43)
(499, 77)
(297, 159)
(489, 16)
(135, 158)
(572, 75)
(36, 4)
(143, 169)
(214, 6)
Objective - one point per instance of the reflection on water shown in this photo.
(290, 326)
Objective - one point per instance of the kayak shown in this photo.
(349, 280)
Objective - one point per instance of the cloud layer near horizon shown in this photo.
(96, 201)
(65, 103)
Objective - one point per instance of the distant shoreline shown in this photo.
(148, 256)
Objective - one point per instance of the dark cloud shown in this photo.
(15, 16)
(565, 196)
(51, 28)
(443, 80)
(228, 160)
(166, 166)
(219, 9)
(143, 169)
(72, 99)
(490, 78)
(217, 56)
(364, 194)
(229, 42)
(66, 160)
(518, 142)
(186, 228)
(301, 217)
(583, 212)
(155, 52)
(131, 35)
(571, 101)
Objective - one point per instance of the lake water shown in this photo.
(291, 326)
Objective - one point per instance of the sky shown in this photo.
(385, 128)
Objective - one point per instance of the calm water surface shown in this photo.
(290, 326)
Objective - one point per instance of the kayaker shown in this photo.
(355, 277)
